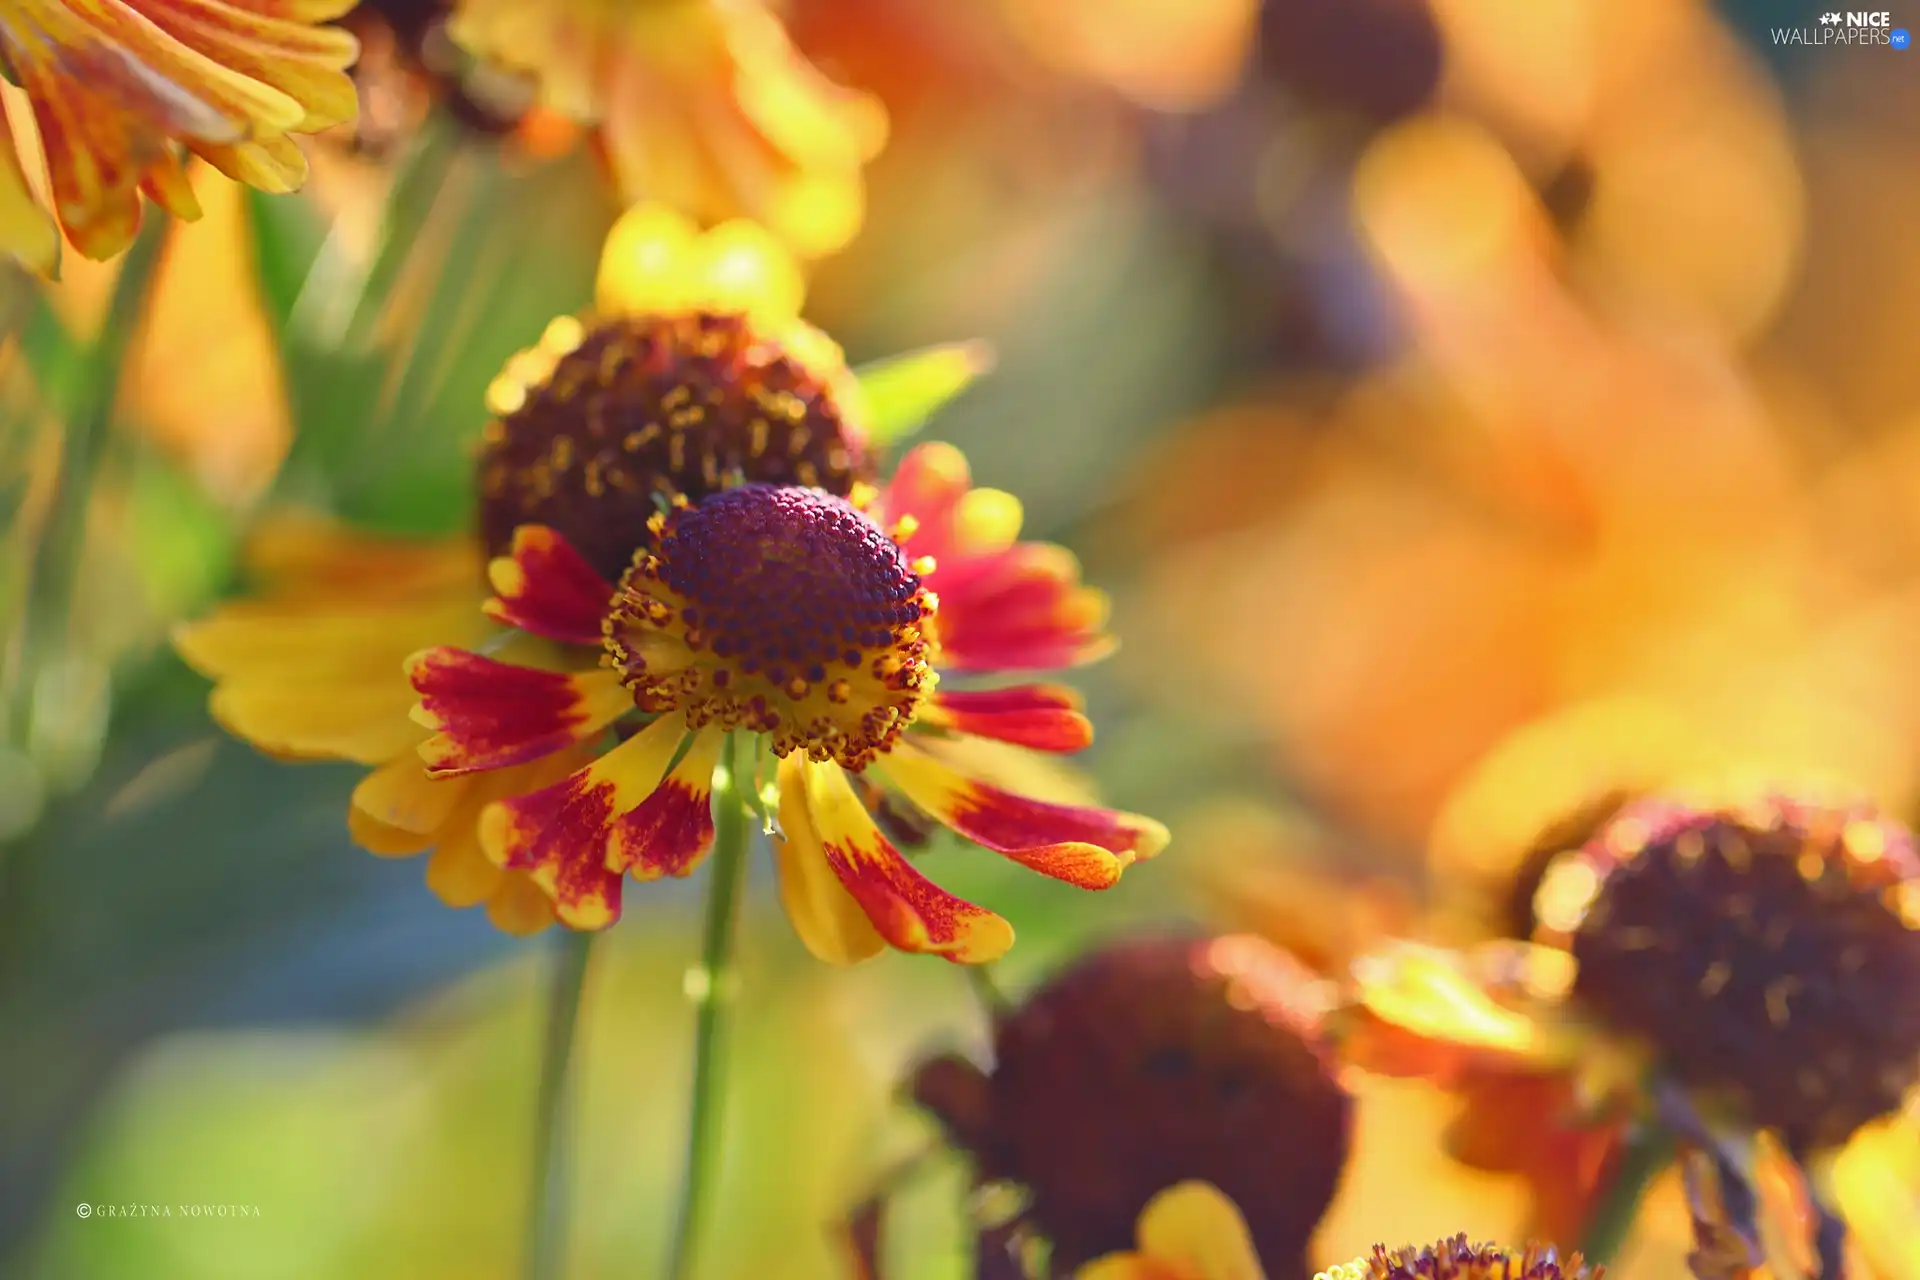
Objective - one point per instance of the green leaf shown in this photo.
(903, 391)
(183, 541)
(287, 237)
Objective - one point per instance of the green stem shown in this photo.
(86, 393)
(711, 987)
(1647, 1154)
(993, 1002)
(547, 1195)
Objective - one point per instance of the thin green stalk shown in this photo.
(712, 989)
(1647, 1154)
(86, 394)
(547, 1194)
(993, 1002)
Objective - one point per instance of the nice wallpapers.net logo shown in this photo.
(1847, 27)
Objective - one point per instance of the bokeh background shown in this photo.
(1469, 403)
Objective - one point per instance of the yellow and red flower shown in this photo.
(113, 87)
(1456, 1259)
(1147, 1064)
(703, 105)
(1723, 968)
(593, 432)
(806, 625)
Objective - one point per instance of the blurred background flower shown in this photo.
(1482, 412)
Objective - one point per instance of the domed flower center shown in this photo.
(595, 424)
(1771, 953)
(780, 610)
(1455, 1259)
(1147, 1064)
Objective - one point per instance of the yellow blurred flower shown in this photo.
(108, 88)
(313, 667)
(703, 105)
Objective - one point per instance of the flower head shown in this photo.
(1456, 1259)
(1149, 1064)
(1746, 965)
(695, 343)
(114, 87)
(810, 624)
(1770, 951)
(701, 104)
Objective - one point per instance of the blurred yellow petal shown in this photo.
(1193, 1225)
(27, 231)
(740, 266)
(1875, 1184)
(643, 266)
(1434, 996)
(704, 105)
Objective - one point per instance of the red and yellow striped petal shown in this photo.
(489, 715)
(1079, 844)
(907, 909)
(1023, 609)
(544, 586)
(672, 829)
(1046, 717)
(560, 833)
(830, 922)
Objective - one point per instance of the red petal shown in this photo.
(1045, 717)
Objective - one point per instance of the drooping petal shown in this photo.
(383, 839)
(1022, 609)
(520, 907)
(544, 586)
(672, 829)
(460, 872)
(1424, 1012)
(1046, 717)
(402, 794)
(26, 230)
(831, 923)
(1084, 846)
(560, 833)
(1188, 1232)
(909, 911)
(488, 715)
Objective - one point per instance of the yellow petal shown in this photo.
(519, 907)
(644, 265)
(401, 794)
(460, 872)
(830, 923)
(1194, 1226)
(1431, 994)
(1875, 1184)
(26, 230)
(740, 266)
